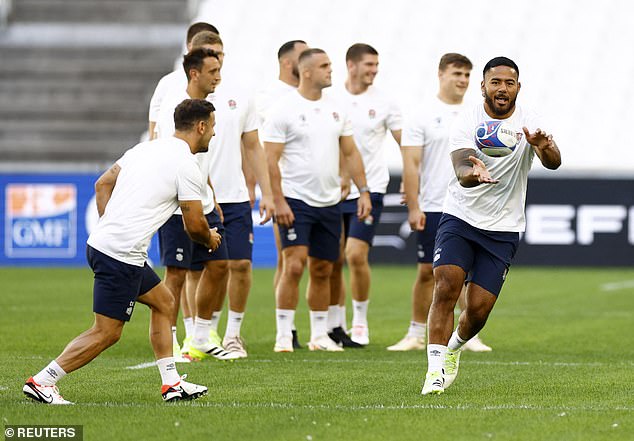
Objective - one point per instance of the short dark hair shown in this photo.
(199, 27)
(500, 61)
(287, 47)
(358, 50)
(196, 58)
(309, 53)
(457, 60)
(189, 112)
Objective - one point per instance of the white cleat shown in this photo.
(209, 349)
(408, 343)
(476, 345)
(434, 384)
(178, 355)
(43, 394)
(236, 345)
(324, 343)
(450, 369)
(284, 344)
(360, 334)
(183, 391)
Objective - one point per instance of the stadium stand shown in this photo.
(76, 76)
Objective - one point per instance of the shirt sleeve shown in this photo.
(346, 128)
(462, 131)
(189, 181)
(275, 127)
(394, 119)
(251, 121)
(413, 131)
(156, 100)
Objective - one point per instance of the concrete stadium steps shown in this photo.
(84, 104)
(100, 11)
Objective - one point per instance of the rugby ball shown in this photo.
(495, 138)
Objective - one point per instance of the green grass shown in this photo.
(562, 368)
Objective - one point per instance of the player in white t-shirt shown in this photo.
(372, 114)
(426, 173)
(287, 81)
(483, 216)
(236, 125)
(134, 197)
(176, 79)
(305, 132)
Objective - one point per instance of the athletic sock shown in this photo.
(174, 336)
(360, 313)
(215, 318)
(234, 323)
(189, 327)
(284, 319)
(417, 329)
(318, 324)
(201, 331)
(50, 375)
(333, 317)
(436, 357)
(455, 342)
(167, 368)
(343, 322)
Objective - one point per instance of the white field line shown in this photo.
(401, 362)
(340, 407)
(615, 286)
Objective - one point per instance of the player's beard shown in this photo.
(497, 110)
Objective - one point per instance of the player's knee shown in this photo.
(240, 266)
(356, 257)
(425, 274)
(217, 268)
(294, 268)
(107, 336)
(446, 288)
(321, 270)
(175, 276)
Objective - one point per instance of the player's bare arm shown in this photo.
(216, 204)
(412, 157)
(256, 161)
(354, 164)
(151, 130)
(197, 226)
(545, 148)
(249, 175)
(104, 186)
(345, 177)
(283, 214)
(470, 170)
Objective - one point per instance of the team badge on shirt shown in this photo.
(371, 113)
(232, 104)
(335, 115)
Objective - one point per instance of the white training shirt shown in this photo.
(172, 81)
(428, 128)
(493, 207)
(266, 98)
(165, 129)
(372, 114)
(235, 115)
(154, 177)
(310, 132)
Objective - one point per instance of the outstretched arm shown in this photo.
(545, 148)
(470, 170)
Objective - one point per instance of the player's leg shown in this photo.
(238, 224)
(475, 343)
(191, 283)
(287, 295)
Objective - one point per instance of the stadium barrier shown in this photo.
(46, 219)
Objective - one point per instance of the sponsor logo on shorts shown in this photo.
(369, 220)
(505, 273)
(179, 254)
(437, 254)
(128, 311)
(251, 238)
(291, 235)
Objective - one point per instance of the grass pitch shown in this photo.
(562, 368)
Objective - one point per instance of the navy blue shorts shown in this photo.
(426, 239)
(118, 284)
(318, 228)
(238, 230)
(362, 230)
(179, 251)
(484, 255)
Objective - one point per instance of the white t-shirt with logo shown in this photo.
(310, 132)
(154, 177)
(428, 128)
(493, 207)
(235, 115)
(266, 98)
(165, 129)
(175, 80)
(372, 114)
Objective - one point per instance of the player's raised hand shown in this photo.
(267, 209)
(364, 206)
(214, 239)
(480, 171)
(283, 214)
(417, 220)
(539, 138)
